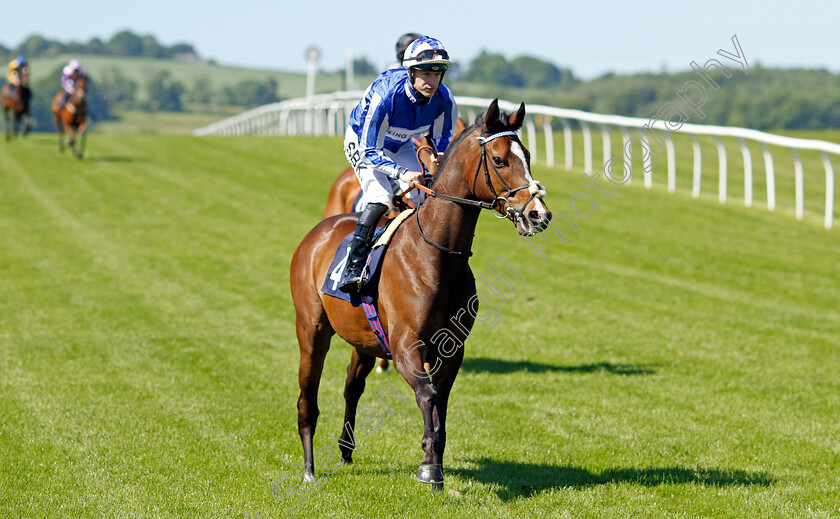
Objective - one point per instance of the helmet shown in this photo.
(21, 61)
(75, 64)
(403, 43)
(427, 53)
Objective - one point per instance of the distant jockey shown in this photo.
(70, 75)
(402, 44)
(18, 72)
(400, 105)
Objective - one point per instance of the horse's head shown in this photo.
(503, 173)
(81, 90)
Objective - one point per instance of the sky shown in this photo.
(591, 37)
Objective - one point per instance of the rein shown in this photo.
(514, 215)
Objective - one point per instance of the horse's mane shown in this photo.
(500, 126)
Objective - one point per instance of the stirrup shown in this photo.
(352, 281)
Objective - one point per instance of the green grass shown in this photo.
(675, 358)
(166, 123)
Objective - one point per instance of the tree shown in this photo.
(116, 88)
(250, 93)
(495, 70)
(541, 74)
(125, 43)
(363, 67)
(164, 93)
(34, 46)
(201, 92)
(95, 46)
(151, 48)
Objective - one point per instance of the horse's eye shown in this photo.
(499, 161)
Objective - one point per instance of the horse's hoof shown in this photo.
(431, 474)
(309, 478)
(380, 370)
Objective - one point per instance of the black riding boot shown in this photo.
(358, 247)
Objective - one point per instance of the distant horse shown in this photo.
(425, 283)
(70, 118)
(16, 102)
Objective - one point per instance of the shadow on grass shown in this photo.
(486, 365)
(526, 479)
(117, 159)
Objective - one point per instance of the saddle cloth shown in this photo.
(381, 238)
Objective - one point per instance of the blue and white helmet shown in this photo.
(427, 53)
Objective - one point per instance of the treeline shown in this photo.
(124, 43)
(165, 93)
(764, 99)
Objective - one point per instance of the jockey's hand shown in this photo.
(411, 176)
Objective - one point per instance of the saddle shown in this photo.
(381, 238)
(365, 296)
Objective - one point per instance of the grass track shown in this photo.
(674, 358)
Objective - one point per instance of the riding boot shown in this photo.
(361, 241)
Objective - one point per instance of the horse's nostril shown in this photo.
(534, 216)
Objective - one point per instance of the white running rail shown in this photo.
(328, 114)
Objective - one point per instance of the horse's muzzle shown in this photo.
(533, 222)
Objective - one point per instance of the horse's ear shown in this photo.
(492, 115)
(518, 118)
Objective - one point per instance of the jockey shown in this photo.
(401, 104)
(16, 70)
(402, 44)
(70, 74)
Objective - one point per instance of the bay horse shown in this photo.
(345, 190)
(16, 107)
(425, 282)
(70, 118)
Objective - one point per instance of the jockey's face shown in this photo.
(426, 82)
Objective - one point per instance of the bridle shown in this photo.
(511, 213)
(77, 100)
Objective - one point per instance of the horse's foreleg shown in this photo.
(82, 140)
(71, 137)
(443, 379)
(409, 363)
(358, 369)
(59, 128)
(6, 124)
(314, 341)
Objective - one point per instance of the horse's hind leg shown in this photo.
(358, 369)
(314, 340)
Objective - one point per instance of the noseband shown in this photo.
(533, 187)
(512, 214)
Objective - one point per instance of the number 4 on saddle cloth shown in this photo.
(370, 274)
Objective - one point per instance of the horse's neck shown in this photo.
(446, 223)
